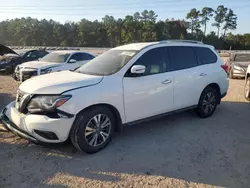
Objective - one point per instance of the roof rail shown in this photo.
(188, 41)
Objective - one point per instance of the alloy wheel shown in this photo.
(98, 130)
(209, 102)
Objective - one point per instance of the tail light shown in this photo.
(225, 67)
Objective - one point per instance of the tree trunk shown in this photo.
(224, 33)
(192, 27)
(218, 33)
(205, 28)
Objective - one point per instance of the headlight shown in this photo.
(46, 71)
(3, 62)
(46, 103)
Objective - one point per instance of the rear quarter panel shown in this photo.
(220, 75)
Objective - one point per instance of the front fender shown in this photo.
(100, 93)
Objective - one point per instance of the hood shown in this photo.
(59, 82)
(39, 64)
(6, 50)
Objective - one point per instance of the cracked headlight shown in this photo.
(46, 103)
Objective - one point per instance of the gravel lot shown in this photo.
(176, 151)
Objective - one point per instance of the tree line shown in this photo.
(140, 27)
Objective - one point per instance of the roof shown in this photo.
(246, 52)
(140, 46)
(135, 46)
(66, 51)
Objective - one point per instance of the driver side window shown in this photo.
(154, 60)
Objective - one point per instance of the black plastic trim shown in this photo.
(160, 115)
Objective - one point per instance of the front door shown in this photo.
(151, 93)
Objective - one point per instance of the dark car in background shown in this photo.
(237, 64)
(9, 59)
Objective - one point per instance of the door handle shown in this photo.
(203, 74)
(166, 82)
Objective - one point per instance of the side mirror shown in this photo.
(72, 61)
(138, 69)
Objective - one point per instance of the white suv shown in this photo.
(122, 86)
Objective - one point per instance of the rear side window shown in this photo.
(205, 55)
(182, 57)
(77, 57)
(86, 56)
(41, 53)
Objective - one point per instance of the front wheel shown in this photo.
(247, 89)
(93, 129)
(208, 102)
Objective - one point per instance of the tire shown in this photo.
(86, 134)
(230, 74)
(247, 89)
(208, 102)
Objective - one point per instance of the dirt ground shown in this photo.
(176, 151)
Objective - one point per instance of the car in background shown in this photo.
(237, 64)
(10, 59)
(247, 84)
(122, 86)
(53, 62)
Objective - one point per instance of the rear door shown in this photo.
(188, 76)
(210, 64)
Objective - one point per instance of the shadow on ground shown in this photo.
(5, 99)
(214, 151)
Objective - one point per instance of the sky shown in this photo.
(75, 10)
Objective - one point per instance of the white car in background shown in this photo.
(124, 85)
(52, 62)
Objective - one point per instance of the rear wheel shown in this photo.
(208, 102)
(93, 129)
(247, 89)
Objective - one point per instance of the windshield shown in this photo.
(108, 63)
(55, 58)
(242, 57)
